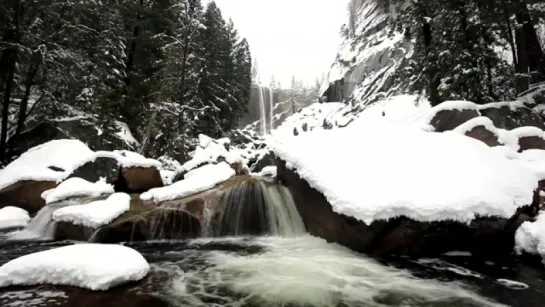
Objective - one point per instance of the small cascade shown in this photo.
(251, 206)
(42, 226)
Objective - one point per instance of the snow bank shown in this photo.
(382, 171)
(95, 214)
(209, 150)
(13, 217)
(91, 266)
(63, 155)
(76, 187)
(530, 237)
(196, 181)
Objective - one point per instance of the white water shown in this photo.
(305, 271)
(266, 106)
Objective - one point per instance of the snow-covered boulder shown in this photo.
(77, 187)
(530, 237)
(529, 138)
(195, 181)
(91, 266)
(373, 179)
(94, 214)
(13, 217)
(482, 129)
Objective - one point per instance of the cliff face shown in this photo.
(369, 56)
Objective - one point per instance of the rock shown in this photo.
(173, 220)
(26, 195)
(512, 117)
(446, 120)
(531, 142)
(485, 236)
(136, 294)
(101, 167)
(263, 161)
(486, 136)
(141, 179)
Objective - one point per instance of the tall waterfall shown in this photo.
(266, 105)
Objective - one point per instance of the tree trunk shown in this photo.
(433, 81)
(11, 55)
(29, 82)
(530, 53)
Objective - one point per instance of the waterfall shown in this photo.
(262, 117)
(251, 206)
(266, 109)
(42, 226)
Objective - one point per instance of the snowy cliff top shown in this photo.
(91, 266)
(382, 170)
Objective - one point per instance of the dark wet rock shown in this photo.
(531, 142)
(482, 134)
(141, 179)
(484, 236)
(101, 167)
(26, 195)
(449, 119)
(263, 161)
(512, 117)
(179, 219)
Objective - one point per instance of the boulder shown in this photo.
(486, 136)
(26, 195)
(101, 167)
(174, 220)
(263, 161)
(446, 120)
(140, 179)
(531, 142)
(511, 117)
(485, 236)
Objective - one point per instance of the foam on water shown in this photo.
(306, 271)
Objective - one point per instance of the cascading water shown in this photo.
(252, 206)
(266, 108)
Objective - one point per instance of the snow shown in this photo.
(209, 150)
(435, 176)
(129, 159)
(125, 134)
(91, 266)
(268, 171)
(401, 109)
(196, 181)
(77, 187)
(34, 164)
(95, 214)
(534, 159)
(13, 217)
(530, 237)
(504, 137)
(312, 116)
(528, 132)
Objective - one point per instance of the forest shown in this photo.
(168, 69)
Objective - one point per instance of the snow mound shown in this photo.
(91, 266)
(13, 217)
(94, 214)
(51, 161)
(530, 237)
(386, 170)
(196, 181)
(76, 187)
(129, 159)
(209, 150)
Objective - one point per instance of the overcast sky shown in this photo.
(289, 37)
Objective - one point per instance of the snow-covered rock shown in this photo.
(530, 237)
(209, 150)
(52, 161)
(435, 176)
(91, 266)
(13, 217)
(94, 214)
(195, 181)
(76, 187)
